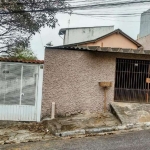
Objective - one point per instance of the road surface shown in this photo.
(129, 141)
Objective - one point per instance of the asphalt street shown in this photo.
(130, 141)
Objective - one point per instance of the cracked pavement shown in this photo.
(138, 140)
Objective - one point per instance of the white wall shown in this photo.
(85, 34)
(145, 24)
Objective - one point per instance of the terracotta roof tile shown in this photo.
(21, 61)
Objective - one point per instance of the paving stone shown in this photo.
(5, 131)
(4, 137)
(1, 142)
(2, 132)
(11, 141)
(12, 134)
(121, 127)
(34, 138)
(111, 123)
(22, 131)
(47, 137)
(23, 136)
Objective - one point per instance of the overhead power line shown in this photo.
(76, 8)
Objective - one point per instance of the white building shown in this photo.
(145, 24)
(81, 34)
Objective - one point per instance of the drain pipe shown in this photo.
(53, 110)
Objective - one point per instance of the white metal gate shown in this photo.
(18, 92)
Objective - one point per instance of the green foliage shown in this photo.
(23, 54)
(21, 19)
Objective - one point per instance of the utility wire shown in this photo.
(84, 7)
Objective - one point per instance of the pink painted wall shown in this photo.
(114, 41)
(71, 79)
(145, 42)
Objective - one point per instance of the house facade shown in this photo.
(73, 73)
(72, 76)
(114, 39)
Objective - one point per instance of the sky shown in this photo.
(129, 25)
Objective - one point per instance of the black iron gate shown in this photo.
(132, 80)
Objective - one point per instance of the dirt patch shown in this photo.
(144, 119)
(31, 126)
(81, 121)
(68, 127)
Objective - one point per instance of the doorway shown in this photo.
(132, 80)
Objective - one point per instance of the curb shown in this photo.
(127, 127)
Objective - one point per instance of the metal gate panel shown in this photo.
(27, 113)
(130, 81)
(18, 90)
(29, 80)
(17, 113)
(9, 112)
(12, 75)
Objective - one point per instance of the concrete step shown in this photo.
(130, 113)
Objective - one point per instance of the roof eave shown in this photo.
(132, 40)
(62, 31)
(104, 49)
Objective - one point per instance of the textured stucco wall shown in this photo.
(71, 80)
(114, 41)
(85, 34)
(145, 42)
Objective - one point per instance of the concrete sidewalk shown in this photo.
(83, 121)
(21, 132)
(74, 126)
(17, 132)
(131, 113)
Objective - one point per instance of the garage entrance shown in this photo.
(132, 81)
(20, 88)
